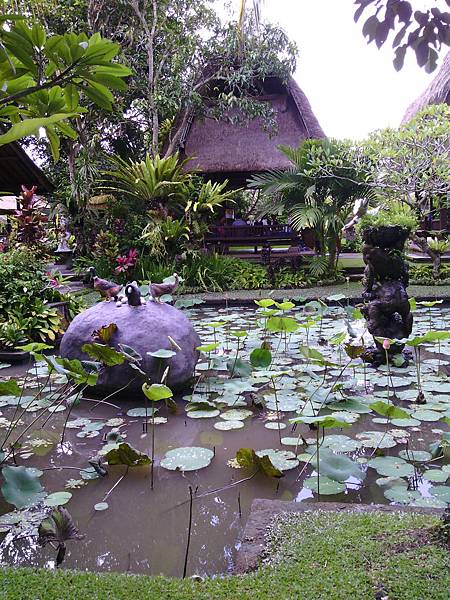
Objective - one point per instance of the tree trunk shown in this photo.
(435, 256)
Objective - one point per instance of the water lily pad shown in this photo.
(376, 439)
(187, 459)
(284, 460)
(140, 411)
(228, 425)
(415, 455)
(325, 485)
(339, 467)
(426, 415)
(275, 425)
(57, 499)
(405, 422)
(341, 443)
(21, 486)
(436, 475)
(203, 414)
(402, 495)
(101, 506)
(442, 492)
(430, 503)
(391, 466)
(291, 441)
(236, 415)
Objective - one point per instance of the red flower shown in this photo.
(127, 261)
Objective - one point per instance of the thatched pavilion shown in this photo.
(17, 168)
(438, 92)
(223, 150)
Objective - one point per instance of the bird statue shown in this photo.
(133, 294)
(107, 289)
(160, 289)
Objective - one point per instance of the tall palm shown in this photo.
(317, 192)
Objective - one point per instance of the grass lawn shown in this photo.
(310, 556)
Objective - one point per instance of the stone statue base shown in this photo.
(387, 310)
(144, 328)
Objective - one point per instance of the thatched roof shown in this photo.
(438, 92)
(17, 169)
(223, 150)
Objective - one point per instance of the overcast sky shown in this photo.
(352, 86)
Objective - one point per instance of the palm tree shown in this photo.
(317, 192)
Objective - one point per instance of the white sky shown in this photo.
(353, 87)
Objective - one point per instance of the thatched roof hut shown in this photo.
(438, 92)
(223, 150)
(17, 169)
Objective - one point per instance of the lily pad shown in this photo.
(391, 466)
(284, 460)
(340, 468)
(57, 499)
(228, 425)
(325, 485)
(189, 458)
(442, 492)
(402, 495)
(21, 486)
(436, 475)
(236, 415)
(203, 414)
(101, 506)
(277, 425)
(415, 455)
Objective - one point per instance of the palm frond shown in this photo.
(318, 265)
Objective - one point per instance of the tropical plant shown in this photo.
(154, 181)
(28, 224)
(44, 78)
(392, 213)
(311, 199)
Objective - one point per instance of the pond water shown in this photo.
(144, 530)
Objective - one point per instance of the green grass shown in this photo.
(316, 555)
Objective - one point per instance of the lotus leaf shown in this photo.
(187, 459)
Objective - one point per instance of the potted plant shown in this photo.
(388, 228)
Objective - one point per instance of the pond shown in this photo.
(369, 451)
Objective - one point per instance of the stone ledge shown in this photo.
(263, 511)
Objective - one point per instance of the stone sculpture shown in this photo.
(144, 327)
(387, 311)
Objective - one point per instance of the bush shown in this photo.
(396, 213)
(423, 275)
(25, 292)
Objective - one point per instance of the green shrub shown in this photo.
(396, 213)
(25, 292)
(423, 275)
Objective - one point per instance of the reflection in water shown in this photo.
(144, 530)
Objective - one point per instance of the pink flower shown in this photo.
(126, 261)
(386, 344)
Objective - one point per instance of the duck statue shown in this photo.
(160, 289)
(107, 289)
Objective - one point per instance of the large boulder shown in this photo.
(145, 328)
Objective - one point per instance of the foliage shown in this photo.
(25, 291)
(425, 31)
(44, 78)
(29, 221)
(152, 180)
(439, 246)
(58, 528)
(317, 192)
(423, 275)
(390, 214)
